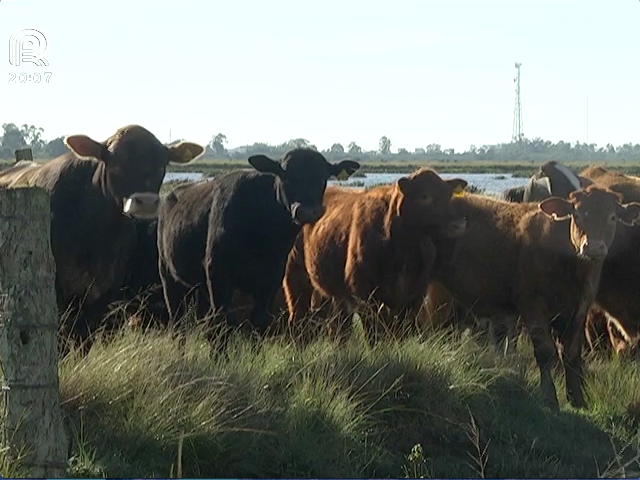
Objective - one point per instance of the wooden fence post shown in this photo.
(23, 154)
(32, 418)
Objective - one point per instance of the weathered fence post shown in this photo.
(32, 417)
(23, 154)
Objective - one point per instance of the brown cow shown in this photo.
(526, 260)
(376, 244)
(97, 190)
(618, 300)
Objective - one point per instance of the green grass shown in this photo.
(445, 407)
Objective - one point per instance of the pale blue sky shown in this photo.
(419, 72)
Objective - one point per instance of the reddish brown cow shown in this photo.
(618, 301)
(376, 244)
(527, 260)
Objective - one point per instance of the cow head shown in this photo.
(594, 213)
(301, 179)
(562, 181)
(425, 202)
(134, 165)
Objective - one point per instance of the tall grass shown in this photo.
(448, 406)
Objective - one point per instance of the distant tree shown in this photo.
(217, 144)
(403, 151)
(433, 148)
(299, 143)
(354, 148)
(336, 149)
(384, 145)
(33, 137)
(419, 151)
(55, 148)
(12, 137)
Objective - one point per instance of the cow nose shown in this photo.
(303, 214)
(456, 228)
(594, 249)
(144, 205)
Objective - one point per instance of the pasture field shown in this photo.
(210, 167)
(447, 406)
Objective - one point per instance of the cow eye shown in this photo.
(613, 217)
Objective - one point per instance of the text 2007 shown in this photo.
(30, 78)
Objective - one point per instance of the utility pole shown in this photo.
(517, 134)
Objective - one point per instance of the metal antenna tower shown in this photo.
(517, 135)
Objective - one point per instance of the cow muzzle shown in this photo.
(302, 214)
(594, 250)
(455, 228)
(144, 205)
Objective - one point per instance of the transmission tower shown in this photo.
(517, 135)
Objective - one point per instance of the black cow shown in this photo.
(142, 290)
(96, 192)
(235, 232)
(552, 178)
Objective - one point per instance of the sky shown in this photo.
(419, 72)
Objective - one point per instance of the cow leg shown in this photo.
(296, 286)
(545, 352)
(175, 296)
(619, 339)
(222, 318)
(373, 327)
(438, 307)
(260, 317)
(80, 322)
(572, 341)
(505, 333)
(203, 303)
(74, 332)
(340, 321)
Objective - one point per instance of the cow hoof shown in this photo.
(550, 400)
(552, 404)
(577, 401)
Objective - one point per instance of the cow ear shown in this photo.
(184, 152)
(556, 208)
(343, 169)
(458, 185)
(264, 164)
(86, 147)
(629, 214)
(404, 184)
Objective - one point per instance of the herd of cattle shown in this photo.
(559, 256)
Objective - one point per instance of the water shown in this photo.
(492, 183)
(182, 176)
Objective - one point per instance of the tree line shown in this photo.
(536, 149)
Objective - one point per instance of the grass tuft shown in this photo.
(447, 406)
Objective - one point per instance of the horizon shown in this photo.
(331, 72)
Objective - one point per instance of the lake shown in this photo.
(492, 183)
